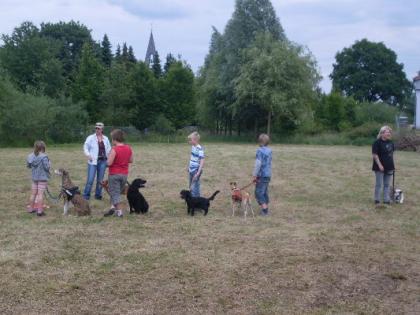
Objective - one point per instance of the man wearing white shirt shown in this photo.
(96, 149)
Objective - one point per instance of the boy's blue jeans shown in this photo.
(195, 185)
(92, 171)
(261, 190)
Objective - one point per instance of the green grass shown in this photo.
(324, 250)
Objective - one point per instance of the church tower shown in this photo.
(151, 50)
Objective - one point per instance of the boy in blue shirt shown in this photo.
(262, 173)
(195, 167)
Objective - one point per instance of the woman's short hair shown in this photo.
(382, 130)
(263, 139)
(117, 135)
(194, 135)
(39, 146)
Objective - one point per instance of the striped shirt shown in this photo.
(197, 154)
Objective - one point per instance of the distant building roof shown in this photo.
(417, 78)
(151, 50)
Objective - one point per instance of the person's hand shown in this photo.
(196, 176)
(254, 179)
(381, 168)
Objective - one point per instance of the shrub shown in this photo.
(25, 118)
(163, 125)
(366, 130)
(381, 113)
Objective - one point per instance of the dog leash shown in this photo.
(245, 187)
(55, 200)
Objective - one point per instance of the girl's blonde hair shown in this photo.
(382, 130)
(39, 146)
(194, 135)
(263, 139)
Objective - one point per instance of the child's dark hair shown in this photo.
(263, 139)
(117, 135)
(39, 146)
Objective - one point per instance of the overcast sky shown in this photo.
(184, 26)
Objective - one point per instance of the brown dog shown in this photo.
(71, 193)
(240, 199)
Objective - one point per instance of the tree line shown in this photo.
(55, 79)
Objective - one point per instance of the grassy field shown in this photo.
(325, 249)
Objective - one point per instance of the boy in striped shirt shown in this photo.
(195, 167)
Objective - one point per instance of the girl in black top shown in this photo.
(383, 164)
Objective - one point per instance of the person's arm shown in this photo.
(107, 146)
(375, 156)
(131, 157)
(378, 162)
(46, 164)
(257, 168)
(111, 157)
(86, 149)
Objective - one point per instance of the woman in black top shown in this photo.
(383, 164)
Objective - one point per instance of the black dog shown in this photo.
(135, 198)
(194, 203)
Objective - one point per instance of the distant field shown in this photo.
(325, 250)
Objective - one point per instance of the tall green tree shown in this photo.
(116, 99)
(89, 82)
(143, 97)
(70, 38)
(156, 67)
(170, 59)
(118, 53)
(130, 55)
(370, 72)
(106, 51)
(224, 60)
(278, 78)
(178, 95)
(124, 53)
(29, 59)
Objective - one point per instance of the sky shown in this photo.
(184, 27)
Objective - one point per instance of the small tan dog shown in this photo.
(240, 199)
(71, 193)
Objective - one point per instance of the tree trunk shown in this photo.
(239, 127)
(230, 126)
(226, 126)
(269, 123)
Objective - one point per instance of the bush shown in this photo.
(163, 126)
(25, 118)
(367, 130)
(381, 113)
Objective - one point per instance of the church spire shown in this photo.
(151, 49)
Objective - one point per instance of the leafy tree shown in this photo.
(178, 95)
(224, 60)
(106, 51)
(124, 54)
(145, 103)
(116, 97)
(278, 78)
(370, 72)
(130, 56)
(170, 59)
(88, 85)
(51, 78)
(118, 53)
(28, 58)
(156, 67)
(211, 104)
(70, 38)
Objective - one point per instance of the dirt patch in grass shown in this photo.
(324, 250)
